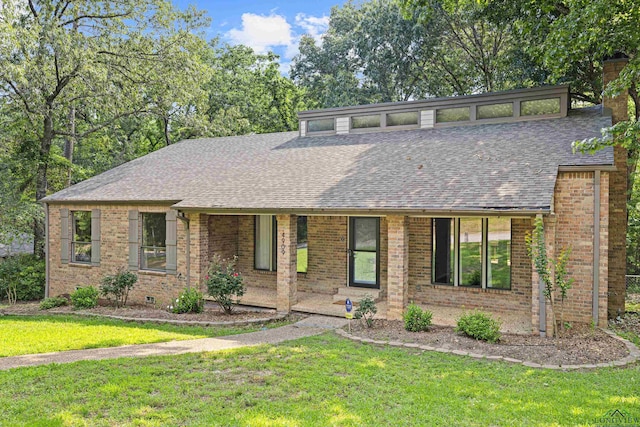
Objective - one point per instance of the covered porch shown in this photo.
(387, 257)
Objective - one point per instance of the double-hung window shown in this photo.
(81, 241)
(473, 252)
(153, 251)
(266, 255)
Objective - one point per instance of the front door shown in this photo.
(364, 252)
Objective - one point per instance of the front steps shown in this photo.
(355, 294)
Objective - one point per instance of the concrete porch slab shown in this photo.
(314, 303)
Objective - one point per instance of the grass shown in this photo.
(322, 380)
(43, 334)
(302, 256)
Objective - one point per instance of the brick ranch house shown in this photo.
(425, 201)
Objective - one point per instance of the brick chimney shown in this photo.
(617, 193)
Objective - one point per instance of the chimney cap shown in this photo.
(616, 56)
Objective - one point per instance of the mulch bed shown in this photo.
(579, 345)
(212, 312)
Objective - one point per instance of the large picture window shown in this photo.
(472, 252)
(265, 243)
(153, 252)
(81, 242)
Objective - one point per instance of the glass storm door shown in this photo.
(364, 248)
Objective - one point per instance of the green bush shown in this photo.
(417, 320)
(366, 310)
(22, 278)
(86, 297)
(48, 303)
(190, 301)
(224, 282)
(118, 286)
(480, 326)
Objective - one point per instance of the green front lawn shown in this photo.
(43, 334)
(317, 381)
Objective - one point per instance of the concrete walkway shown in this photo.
(310, 326)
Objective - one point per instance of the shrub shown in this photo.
(190, 301)
(366, 310)
(22, 278)
(86, 297)
(417, 320)
(224, 282)
(480, 326)
(48, 303)
(118, 286)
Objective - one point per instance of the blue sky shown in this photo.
(266, 25)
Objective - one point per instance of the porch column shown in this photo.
(287, 250)
(398, 266)
(199, 251)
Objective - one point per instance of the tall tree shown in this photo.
(372, 52)
(247, 93)
(105, 60)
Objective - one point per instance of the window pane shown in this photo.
(470, 251)
(320, 125)
(453, 115)
(264, 241)
(361, 122)
(303, 250)
(443, 242)
(495, 111)
(82, 226)
(81, 243)
(402, 119)
(499, 256)
(154, 229)
(540, 106)
(81, 252)
(366, 234)
(153, 258)
(364, 270)
(153, 254)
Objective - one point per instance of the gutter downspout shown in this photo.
(46, 250)
(541, 299)
(596, 246)
(185, 220)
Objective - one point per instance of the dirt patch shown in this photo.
(212, 312)
(579, 345)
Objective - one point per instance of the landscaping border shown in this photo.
(634, 353)
(153, 320)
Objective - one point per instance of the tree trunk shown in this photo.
(165, 129)
(41, 180)
(69, 142)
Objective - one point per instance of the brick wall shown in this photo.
(223, 235)
(618, 201)
(327, 255)
(574, 209)
(421, 291)
(114, 250)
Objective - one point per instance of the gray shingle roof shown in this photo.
(492, 166)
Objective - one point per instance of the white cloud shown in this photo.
(274, 33)
(262, 33)
(315, 26)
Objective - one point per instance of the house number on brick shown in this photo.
(283, 246)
